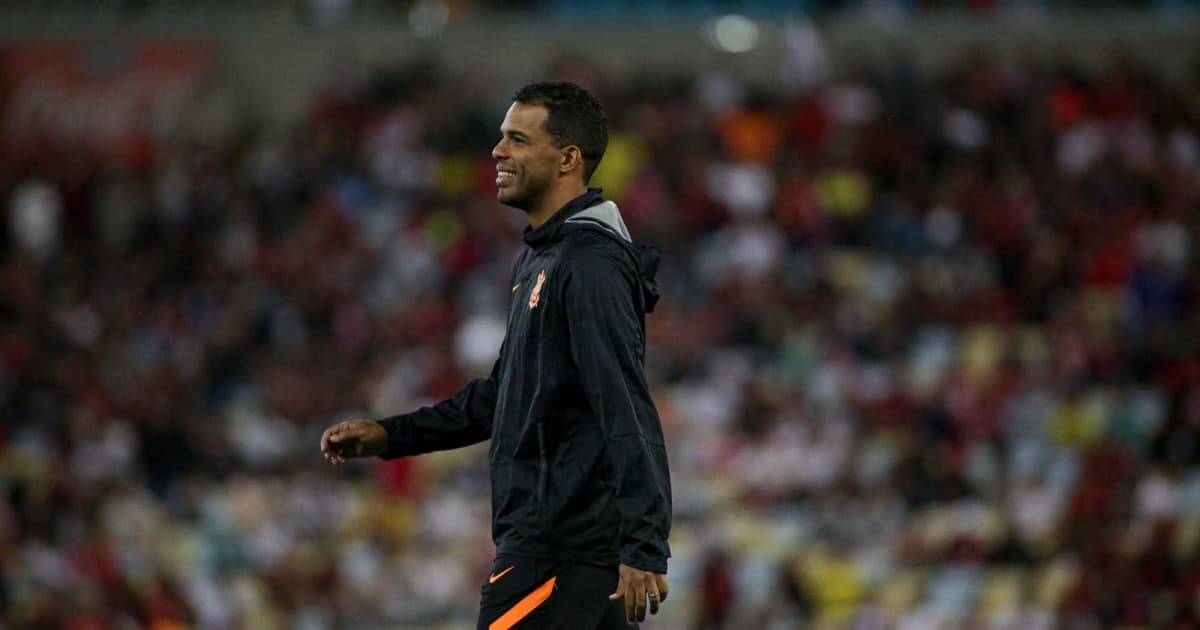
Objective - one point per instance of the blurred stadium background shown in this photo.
(928, 356)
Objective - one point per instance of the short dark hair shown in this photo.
(573, 116)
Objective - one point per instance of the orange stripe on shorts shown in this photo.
(524, 607)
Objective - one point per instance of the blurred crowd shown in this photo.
(928, 354)
(330, 8)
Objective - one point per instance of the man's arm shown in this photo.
(607, 340)
(464, 419)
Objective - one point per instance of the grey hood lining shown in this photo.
(607, 215)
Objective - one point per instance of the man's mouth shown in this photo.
(504, 177)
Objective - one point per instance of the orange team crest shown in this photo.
(535, 295)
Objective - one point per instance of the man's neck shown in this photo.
(551, 204)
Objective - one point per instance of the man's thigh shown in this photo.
(525, 593)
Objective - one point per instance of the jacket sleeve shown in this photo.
(464, 419)
(607, 339)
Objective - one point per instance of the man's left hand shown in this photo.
(638, 586)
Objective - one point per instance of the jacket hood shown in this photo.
(590, 211)
(605, 217)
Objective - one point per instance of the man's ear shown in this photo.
(571, 159)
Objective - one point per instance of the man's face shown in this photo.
(527, 161)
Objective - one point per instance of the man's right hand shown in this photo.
(353, 438)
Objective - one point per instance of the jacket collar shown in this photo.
(548, 232)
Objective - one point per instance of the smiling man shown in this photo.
(581, 499)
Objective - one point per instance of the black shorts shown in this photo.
(526, 593)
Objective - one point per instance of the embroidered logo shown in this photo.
(535, 295)
(492, 578)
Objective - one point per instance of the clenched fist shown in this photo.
(353, 438)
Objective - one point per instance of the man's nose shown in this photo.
(498, 151)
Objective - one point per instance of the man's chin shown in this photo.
(510, 199)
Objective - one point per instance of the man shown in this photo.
(581, 501)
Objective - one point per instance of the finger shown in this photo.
(640, 602)
(630, 605)
(654, 600)
(325, 441)
(661, 581)
(620, 589)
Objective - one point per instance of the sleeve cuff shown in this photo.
(639, 559)
(393, 442)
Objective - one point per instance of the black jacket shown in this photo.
(578, 465)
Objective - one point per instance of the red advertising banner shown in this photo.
(109, 100)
